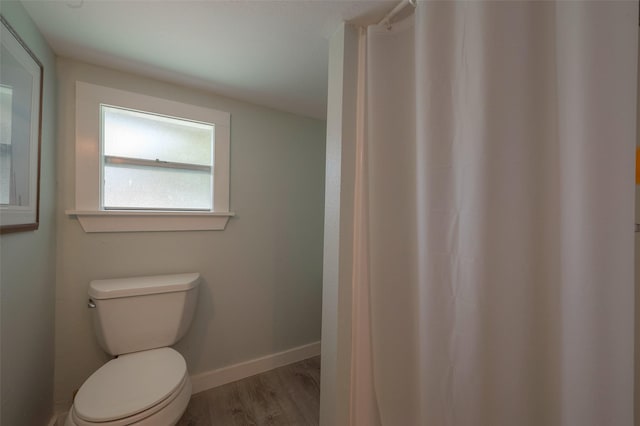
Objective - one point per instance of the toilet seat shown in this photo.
(148, 387)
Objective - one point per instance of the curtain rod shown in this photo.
(389, 16)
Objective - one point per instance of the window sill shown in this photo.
(143, 221)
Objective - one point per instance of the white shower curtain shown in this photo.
(495, 200)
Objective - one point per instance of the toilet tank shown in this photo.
(136, 314)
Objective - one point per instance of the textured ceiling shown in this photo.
(272, 53)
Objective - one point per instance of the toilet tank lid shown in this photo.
(138, 286)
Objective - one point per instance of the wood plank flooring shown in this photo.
(286, 396)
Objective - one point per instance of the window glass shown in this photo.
(149, 136)
(156, 162)
(6, 104)
(139, 187)
(15, 125)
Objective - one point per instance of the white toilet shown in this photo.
(136, 319)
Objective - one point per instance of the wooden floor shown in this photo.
(288, 395)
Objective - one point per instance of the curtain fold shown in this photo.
(499, 182)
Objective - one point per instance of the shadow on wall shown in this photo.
(192, 344)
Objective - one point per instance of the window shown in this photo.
(155, 162)
(149, 164)
(6, 169)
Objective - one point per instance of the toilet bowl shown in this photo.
(144, 388)
(147, 384)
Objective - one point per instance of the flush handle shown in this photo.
(91, 304)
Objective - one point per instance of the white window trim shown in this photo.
(88, 208)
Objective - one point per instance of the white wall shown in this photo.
(27, 270)
(262, 276)
(335, 391)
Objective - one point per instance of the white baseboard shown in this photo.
(222, 376)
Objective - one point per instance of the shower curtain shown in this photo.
(493, 249)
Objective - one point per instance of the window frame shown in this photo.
(88, 187)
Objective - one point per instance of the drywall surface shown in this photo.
(262, 276)
(335, 392)
(27, 269)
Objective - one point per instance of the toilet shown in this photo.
(136, 320)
